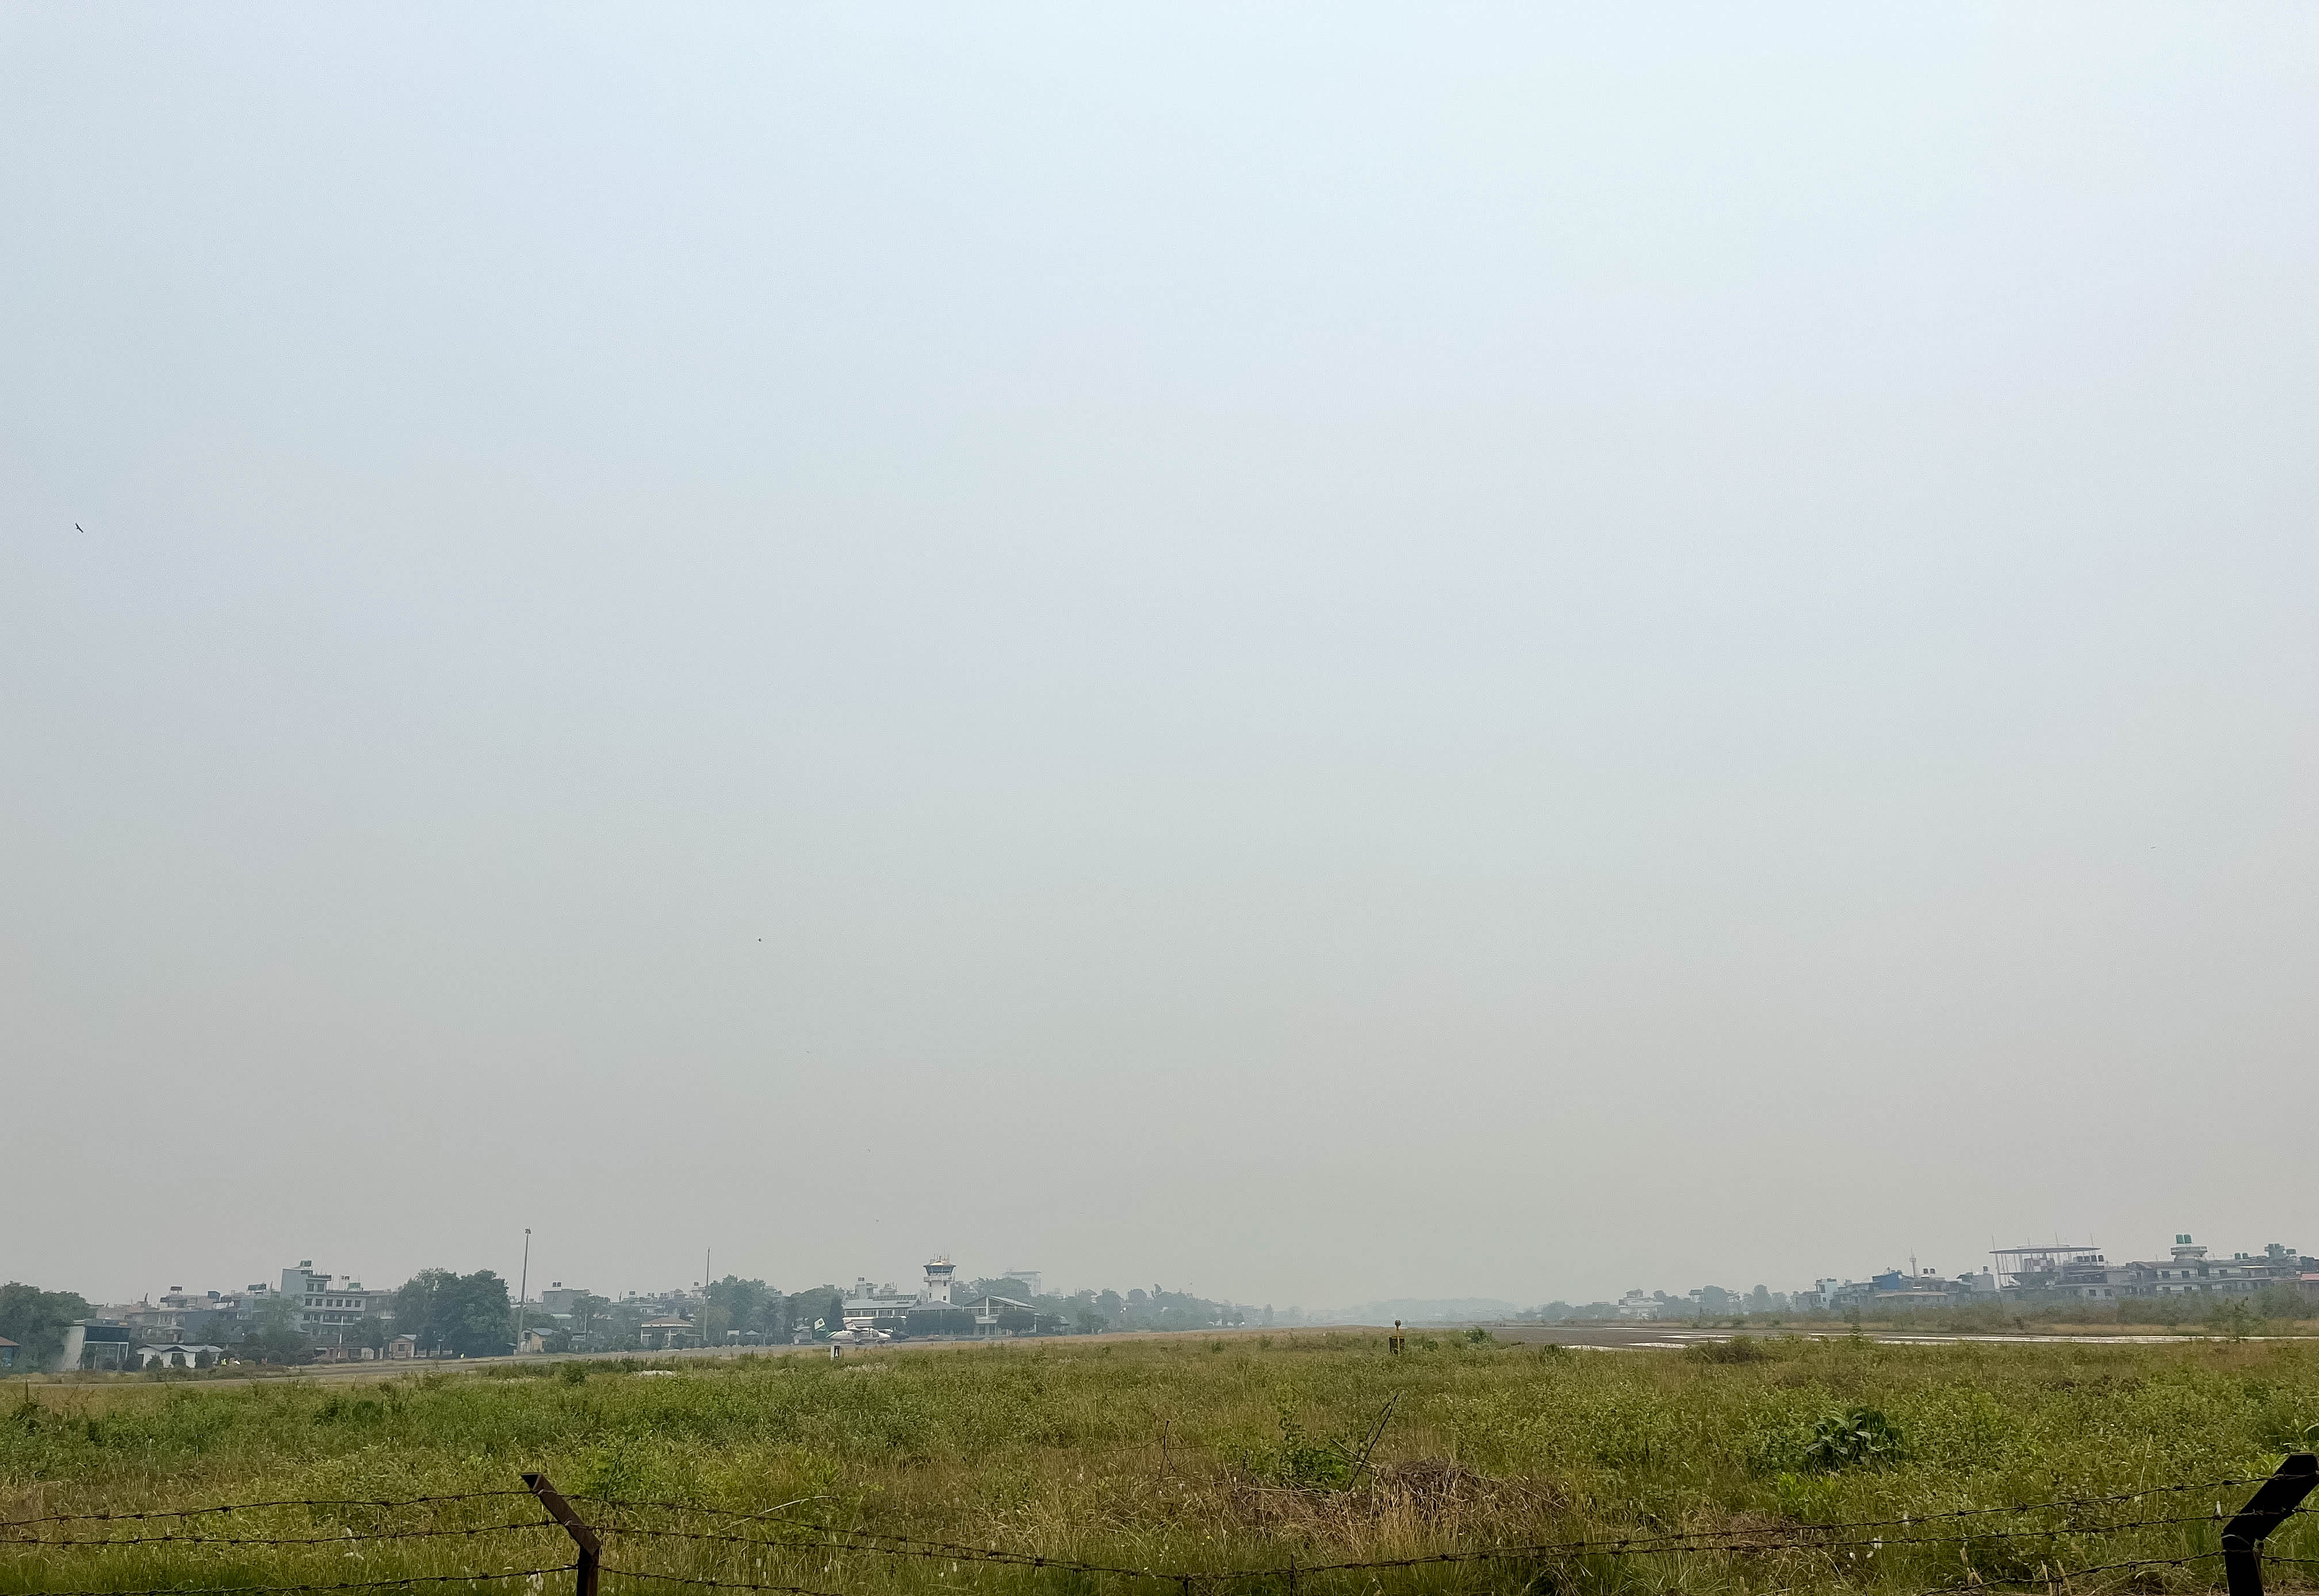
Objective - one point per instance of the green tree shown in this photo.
(734, 1303)
(2230, 1316)
(35, 1320)
(477, 1320)
(587, 1313)
(272, 1335)
(2278, 1300)
(622, 1326)
(418, 1307)
(468, 1314)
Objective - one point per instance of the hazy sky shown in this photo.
(1315, 653)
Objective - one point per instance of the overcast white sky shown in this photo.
(1315, 653)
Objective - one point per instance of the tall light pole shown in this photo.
(523, 1288)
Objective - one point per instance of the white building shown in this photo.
(878, 1307)
(179, 1355)
(328, 1307)
(94, 1344)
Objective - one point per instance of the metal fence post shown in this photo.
(591, 1549)
(2265, 1512)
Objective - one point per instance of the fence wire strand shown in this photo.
(682, 1579)
(934, 1551)
(417, 1579)
(252, 1507)
(2058, 1576)
(1806, 1537)
(1802, 1537)
(342, 1537)
(1733, 1541)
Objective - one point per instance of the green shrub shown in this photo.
(1852, 1439)
(1738, 1350)
(1304, 1463)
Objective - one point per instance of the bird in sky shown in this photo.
(79, 529)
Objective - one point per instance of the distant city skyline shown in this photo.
(906, 1282)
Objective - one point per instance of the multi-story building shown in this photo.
(879, 1307)
(95, 1344)
(183, 1316)
(1003, 1316)
(1913, 1288)
(2186, 1270)
(2069, 1271)
(328, 1307)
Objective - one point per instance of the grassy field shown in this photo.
(1188, 1454)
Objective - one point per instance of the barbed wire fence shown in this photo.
(636, 1526)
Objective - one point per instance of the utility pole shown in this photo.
(523, 1288)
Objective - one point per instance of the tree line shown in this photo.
(474, 1315)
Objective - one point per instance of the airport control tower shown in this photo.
(937, 1287)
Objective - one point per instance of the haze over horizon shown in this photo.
(1510, 651)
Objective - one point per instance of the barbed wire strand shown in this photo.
(1739, 1540)
(934, 1552)
(857, 1539)
(1799, 1538)
(1692, 1540)
(417, 1579)
(251, 1507)
(947, 1547)
(342, 1538)
(2059, 1575)
(246, 1507)
(2052, 1576)
(683, 1579)
(1909, 1519)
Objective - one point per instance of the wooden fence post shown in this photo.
(2265, 1512)
(591, 1549)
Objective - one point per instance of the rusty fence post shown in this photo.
(2265, 1512)
(590, 1548)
